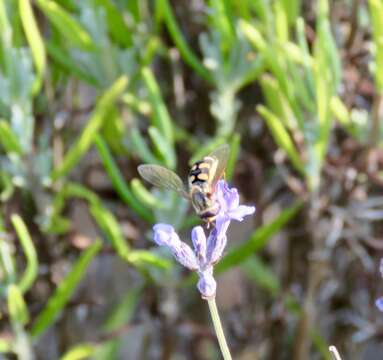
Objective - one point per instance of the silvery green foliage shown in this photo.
(230, 71)
(207, 251)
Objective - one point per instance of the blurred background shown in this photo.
(90, 89)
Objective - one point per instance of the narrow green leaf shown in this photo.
(64, 291)
(5, 346)
(8, 138)
(17, 308)
(282, 137)
(161, 118)
(66, 25)
(257, 240)
(35, 41)
(108, 223)
(146, 197)
(62, 58)
(253, 35)
(187, 54)
(292, 9)
(145, 257)
(281, 25)
(339, 110)
(118, 181)
(163, 147)
(79, 352)
(376, 11)
(220, 20)
(6, 186)
(141, 148)
(81, 146)
(31, 270)
(277, 102)
(141, 106)
(119, 31)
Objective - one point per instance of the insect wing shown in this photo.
(162, 178)
(222, 155)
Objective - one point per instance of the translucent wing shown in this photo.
(222, 155)
(162, 178)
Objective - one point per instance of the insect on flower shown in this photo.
(202, 180)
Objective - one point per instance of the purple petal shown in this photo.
(217, 240)
(199, 242)
(164, 235)
(206, 285)
(185, 256)
(228, 200)
(241, 211)
(379, 303)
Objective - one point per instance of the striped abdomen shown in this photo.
(201, 171)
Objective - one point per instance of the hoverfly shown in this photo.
(202, 179)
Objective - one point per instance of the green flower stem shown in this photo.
(218, 329)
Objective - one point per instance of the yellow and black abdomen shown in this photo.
(199, 174)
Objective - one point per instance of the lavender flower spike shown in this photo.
(379, 302)
(208, 251)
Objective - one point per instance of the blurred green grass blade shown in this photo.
(376, 11)
(6, 186)
(70, 66)
(277, 102)
(31, 270)
(163, 147)
(65, 24)
(326, 56)
(253, 35)
(79, 352)
(5, 345)
(17, 308)
(119, 31)
(281, 22)
(145, 196)
(81, 146)
(261, 274)
(7, 263)
(292, 9)
(142, 258)
(161, 118)
(187, 54)
(108, 223)
(71, 189)
(258, 239)
(141, 106)
(118, 181)
(282, 137)
(64, 291)
(8, 138)
(120, 316)
(235, 145)
(339, 111)
(221, 21)
(140, 147)
(35, 41)
(321, 344)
